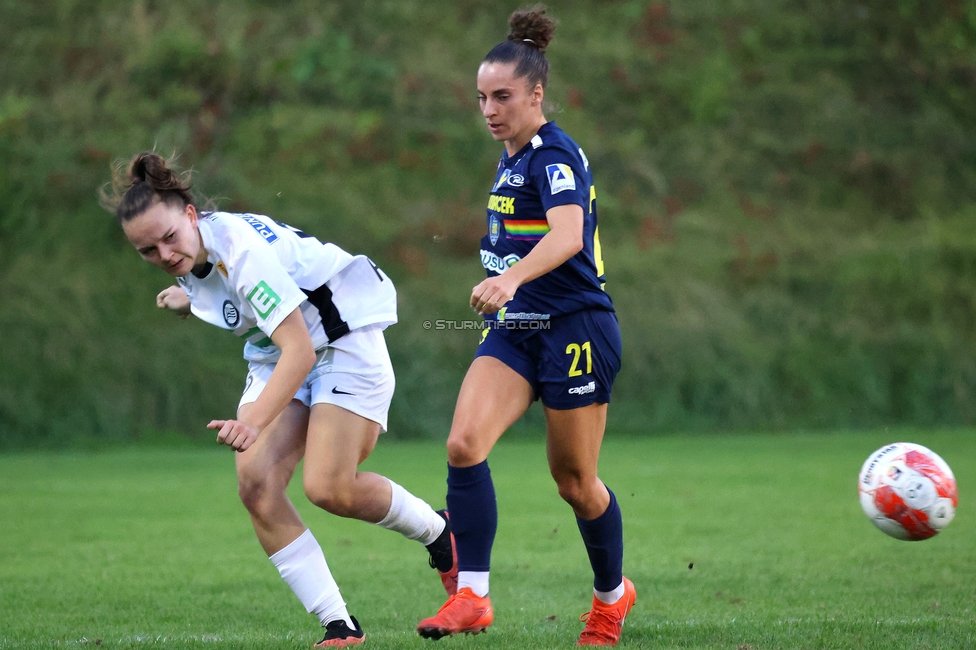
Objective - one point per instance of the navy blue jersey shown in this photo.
(550, 171)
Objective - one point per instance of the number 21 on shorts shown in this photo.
(577, 351)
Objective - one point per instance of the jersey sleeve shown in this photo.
(265, 288)
(560, 178)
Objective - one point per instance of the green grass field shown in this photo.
(744, 542)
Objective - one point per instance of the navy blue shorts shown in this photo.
(570, 365)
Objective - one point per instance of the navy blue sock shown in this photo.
(474, 514)
(604, 540)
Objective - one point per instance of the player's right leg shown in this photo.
(263, 473)
(492, 397)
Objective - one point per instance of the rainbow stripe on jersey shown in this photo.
(526, 229)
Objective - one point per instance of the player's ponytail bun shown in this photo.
(145, 181)
(151, 168)
(532, 27)
(530, 33)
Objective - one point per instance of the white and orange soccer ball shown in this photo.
(907, 491)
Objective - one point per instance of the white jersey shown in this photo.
(258, 271)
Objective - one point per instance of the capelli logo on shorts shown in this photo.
(586, 389)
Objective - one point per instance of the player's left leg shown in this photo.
(350, 392)
(573, 440)
(580, 361)
(338, 441)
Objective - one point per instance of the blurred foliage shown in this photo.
(785, 189)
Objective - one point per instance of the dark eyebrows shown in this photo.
(497, 92)
(148, 249)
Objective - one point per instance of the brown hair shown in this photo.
(529, 35)
(146, 180)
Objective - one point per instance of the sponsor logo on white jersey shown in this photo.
(263, 299)
(497, 264)
(560, 178)
(263, 229)
(585, 389)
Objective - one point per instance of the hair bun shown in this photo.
(146, 179)
(150, 167)
(532, 27)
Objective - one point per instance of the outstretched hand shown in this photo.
(234, 433)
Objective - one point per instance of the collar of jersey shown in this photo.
(208, 242)
(511, 161)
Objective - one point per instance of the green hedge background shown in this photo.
(786, 195)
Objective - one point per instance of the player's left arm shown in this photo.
(564, 239)
(291, 369)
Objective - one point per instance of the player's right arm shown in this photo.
(174, 299)
(291, 369)
(564, 239)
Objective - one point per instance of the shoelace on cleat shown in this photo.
(598, 629)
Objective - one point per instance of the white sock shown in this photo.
(477, 581)
(411, 517)
(302, 566)
(610, 597)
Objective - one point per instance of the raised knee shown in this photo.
(334, 498)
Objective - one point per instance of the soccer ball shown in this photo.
(907, 491)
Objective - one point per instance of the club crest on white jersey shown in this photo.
(231, 316)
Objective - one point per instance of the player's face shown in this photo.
(168, 237)
(512, 108)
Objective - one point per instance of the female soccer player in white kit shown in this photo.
(319, 380)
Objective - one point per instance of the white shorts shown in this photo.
(354, 372)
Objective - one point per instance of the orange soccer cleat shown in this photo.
(605, 622)
(463, 612)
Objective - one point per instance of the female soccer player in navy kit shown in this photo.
(551, 334)
(319, 380)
